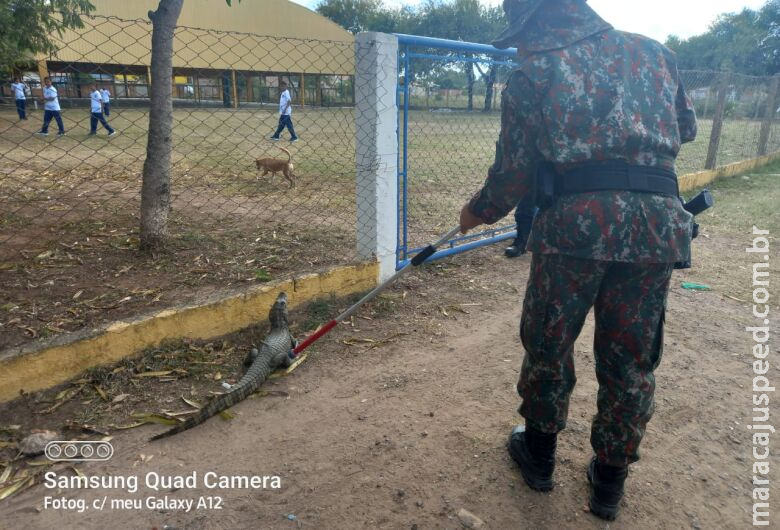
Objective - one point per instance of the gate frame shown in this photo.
(405, 57)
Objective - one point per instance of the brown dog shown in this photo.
(274, 165)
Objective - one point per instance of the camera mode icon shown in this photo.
(78, 451)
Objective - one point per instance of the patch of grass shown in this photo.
(741, 202)
(384, 304)
(263, 275)
(8, 219)
(318, 312)
(192, 238)
(744, 201)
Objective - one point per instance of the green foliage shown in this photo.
(263, 275)
(747, 42)
(361, 15)
(318, 312)
(466, 20)
(769, 17)
(27, 27)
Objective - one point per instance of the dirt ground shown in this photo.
(399, 418)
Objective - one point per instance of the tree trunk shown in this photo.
(470, 79)
(490, 81)
(156, 187)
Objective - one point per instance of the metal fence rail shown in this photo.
(455, 146)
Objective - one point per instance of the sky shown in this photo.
(654, 18)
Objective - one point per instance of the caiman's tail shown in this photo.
(223, 402)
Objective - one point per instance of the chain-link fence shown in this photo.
(70, 205)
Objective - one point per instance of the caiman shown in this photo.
(274, 352)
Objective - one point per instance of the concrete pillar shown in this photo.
(376, 119)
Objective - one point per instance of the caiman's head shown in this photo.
(278, 313)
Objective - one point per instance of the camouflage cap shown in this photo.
(518, 12)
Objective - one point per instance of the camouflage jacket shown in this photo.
(583, 92)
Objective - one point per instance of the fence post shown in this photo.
(717, 123)
(769, 115)
(376, 158)
(234, 88)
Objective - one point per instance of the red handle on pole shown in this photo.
(314, 336)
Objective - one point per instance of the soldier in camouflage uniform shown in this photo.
(588, 102)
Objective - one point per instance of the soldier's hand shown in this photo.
(468, 220)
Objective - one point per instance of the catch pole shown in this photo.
(417, 260)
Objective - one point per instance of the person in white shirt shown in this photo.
(51, 108)
(19, 89)
(106, 101)
(96, 109)
(285, 114)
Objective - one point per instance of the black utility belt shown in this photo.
(611, 175)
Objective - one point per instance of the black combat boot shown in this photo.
(534, 452)
(516, 249)
(606, 488)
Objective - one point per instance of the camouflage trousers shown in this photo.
(629, 302)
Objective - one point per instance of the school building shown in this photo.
(224, 55)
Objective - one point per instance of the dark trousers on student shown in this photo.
(107, 109)
(93, 121)
(285, 120)
(47, 117)
(21, 106)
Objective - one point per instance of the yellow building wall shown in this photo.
(280, 18)
(265, 35)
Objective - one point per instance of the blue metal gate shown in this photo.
(421, 159)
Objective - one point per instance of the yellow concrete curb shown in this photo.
(691, 181)
(38, 367)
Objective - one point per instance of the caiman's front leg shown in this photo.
(251, 356)
(289, 358)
